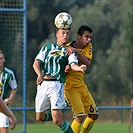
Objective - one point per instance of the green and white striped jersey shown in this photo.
(54, 59)
(7, 82)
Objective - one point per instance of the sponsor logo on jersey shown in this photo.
(55, 53)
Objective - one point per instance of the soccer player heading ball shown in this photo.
(63, 21)
(49, 65)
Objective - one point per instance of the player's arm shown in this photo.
(81, 68)
(73, 63)
(82, 58)
(37, 69)
(4, 109)
(11, 96)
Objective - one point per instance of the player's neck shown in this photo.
(1, 68)
(61, 44)
(78, 45)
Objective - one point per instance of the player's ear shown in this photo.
(4, 60)
(78, 37)
(57, 32)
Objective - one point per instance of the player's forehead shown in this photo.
(1, 56)
(87, 34)
(63, 31)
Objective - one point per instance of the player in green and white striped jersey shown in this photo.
(49, 65)
(54, 59)
(7, 85)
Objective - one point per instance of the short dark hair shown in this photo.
(84, 28)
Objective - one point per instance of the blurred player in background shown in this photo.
(49, 65)
(8, 88)
(76, 91)
(5, 110)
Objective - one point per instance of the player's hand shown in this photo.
(83, 68)
(13, 121)
(7, 101)
(39, 80)
(70, 50)
(67, 68)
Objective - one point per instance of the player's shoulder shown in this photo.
(70, 44)
(48, 45)
(88, 49)
(8, 70)
(90, 45)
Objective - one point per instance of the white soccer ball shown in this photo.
(63, 20)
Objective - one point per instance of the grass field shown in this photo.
(98, 128)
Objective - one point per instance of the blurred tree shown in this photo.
(111, 74)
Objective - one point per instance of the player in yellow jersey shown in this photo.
(76, 92)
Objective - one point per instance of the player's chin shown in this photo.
(65, 40)
(86, 44)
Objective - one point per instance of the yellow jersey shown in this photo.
(74, 78)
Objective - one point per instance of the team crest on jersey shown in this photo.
(55, 53)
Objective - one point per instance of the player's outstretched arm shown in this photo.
(81, 68)
(4, 109)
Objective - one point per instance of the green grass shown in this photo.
(97, 128)
(110, 128)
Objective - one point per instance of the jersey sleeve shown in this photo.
(41, 55)
(88, 52)
(12, 82)
(73, 59)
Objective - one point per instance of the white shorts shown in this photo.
(50, 94)
(4, 121)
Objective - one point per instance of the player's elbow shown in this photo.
(88, 62)
(36, 63)
(33, 65)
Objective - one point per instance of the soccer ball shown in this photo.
(63, 20)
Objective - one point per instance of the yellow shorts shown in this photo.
(81, 101)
